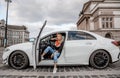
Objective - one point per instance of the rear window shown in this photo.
(79, 35)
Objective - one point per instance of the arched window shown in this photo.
(108, 35)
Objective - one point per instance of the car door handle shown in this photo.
(89, 43)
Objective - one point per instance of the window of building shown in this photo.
(108, 35)
(79, 35)
(107, 22)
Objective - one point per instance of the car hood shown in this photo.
(21, 46)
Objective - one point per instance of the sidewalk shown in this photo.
(1, 53)
(81, 74)
(1, 48)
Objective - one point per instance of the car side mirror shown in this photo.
(32, 39)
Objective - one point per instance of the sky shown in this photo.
(60, 14)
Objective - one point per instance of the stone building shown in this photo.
(15, 34)
(101, 17)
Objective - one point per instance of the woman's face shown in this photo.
(59, 36)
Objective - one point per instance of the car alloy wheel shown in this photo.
(18, 60)
(100, 59)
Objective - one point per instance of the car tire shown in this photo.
(18, 60)
(99, 59)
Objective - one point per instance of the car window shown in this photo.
(46, 38)
(79, 35)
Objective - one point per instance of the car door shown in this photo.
(78, 46)
(36, 47)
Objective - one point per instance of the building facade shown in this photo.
(101, 17)
(15, 34)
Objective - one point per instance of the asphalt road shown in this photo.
(113, 71)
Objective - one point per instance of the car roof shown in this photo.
(66, 30)
(58, 30)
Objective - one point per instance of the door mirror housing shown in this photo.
(32, 39)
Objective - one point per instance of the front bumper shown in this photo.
(5, 58)
(5, 61)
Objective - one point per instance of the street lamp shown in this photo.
(5, 39)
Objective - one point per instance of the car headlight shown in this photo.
(6, 49)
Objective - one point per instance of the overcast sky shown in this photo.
(32, 13)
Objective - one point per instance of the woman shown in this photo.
(56, 51)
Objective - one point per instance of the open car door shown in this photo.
(36, 46)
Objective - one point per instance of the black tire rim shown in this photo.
(101, 59)
(18, 60)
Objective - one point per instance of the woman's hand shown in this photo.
(53, 38)
(57, 51)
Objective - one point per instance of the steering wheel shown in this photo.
(47, 43)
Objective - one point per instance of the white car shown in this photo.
(80, 48)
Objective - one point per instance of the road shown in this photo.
(113, 71)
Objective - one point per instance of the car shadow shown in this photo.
(114, 66)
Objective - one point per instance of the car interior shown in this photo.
(45, 42)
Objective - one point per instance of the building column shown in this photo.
(0, 42)
(87, 24)
(23, 40)
(100, 23)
